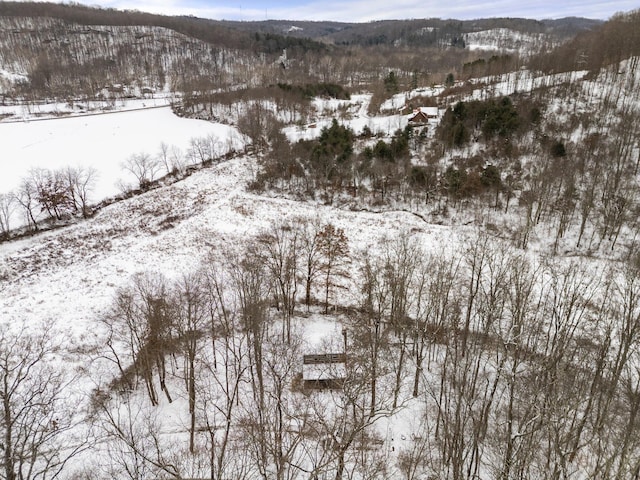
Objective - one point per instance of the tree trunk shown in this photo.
(396, 391)
(192, 402)
(8, 440)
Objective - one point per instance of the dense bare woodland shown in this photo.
(474, 278)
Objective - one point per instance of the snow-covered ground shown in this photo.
(399, 100)
(104, 139)
(100, 141)
(67, 278)
(165, 228)
(11, 77)
(508, 41)
(350, 113)
(28, 112)
(169, 229)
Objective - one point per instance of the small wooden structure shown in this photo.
(422, 115)
(324, 371)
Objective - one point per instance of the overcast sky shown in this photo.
(368, 10)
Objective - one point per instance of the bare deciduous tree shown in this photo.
(310, 251)
(177, 159)
(80, 183)
(135, 447)
(36, 410)
(144, 167)
(223, 371)
(277, 249)
(277, 431)
(6, 209)
(334, 249)
(140, 323)
(26, 197)
(190, 309)
(52, 192)
(436, 306)
(204, 149)
(163, 156)
(257, 123)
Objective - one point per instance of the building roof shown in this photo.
(327, 366)
(428, 111)
(324, 371)
(423, 114)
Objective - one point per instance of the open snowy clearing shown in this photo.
(101, 141)
(54, 276)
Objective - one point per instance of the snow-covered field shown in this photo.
(399, 100)
(31, 111)
(44, 139)
(101, 141)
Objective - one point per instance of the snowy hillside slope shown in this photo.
(213, 202)
(169, 229)
(68, 278)
(59, 55)
(509, 41)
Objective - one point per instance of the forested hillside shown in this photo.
(405, 249)
(418, 32)
(52, 50)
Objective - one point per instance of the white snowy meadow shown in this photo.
(102, 141)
